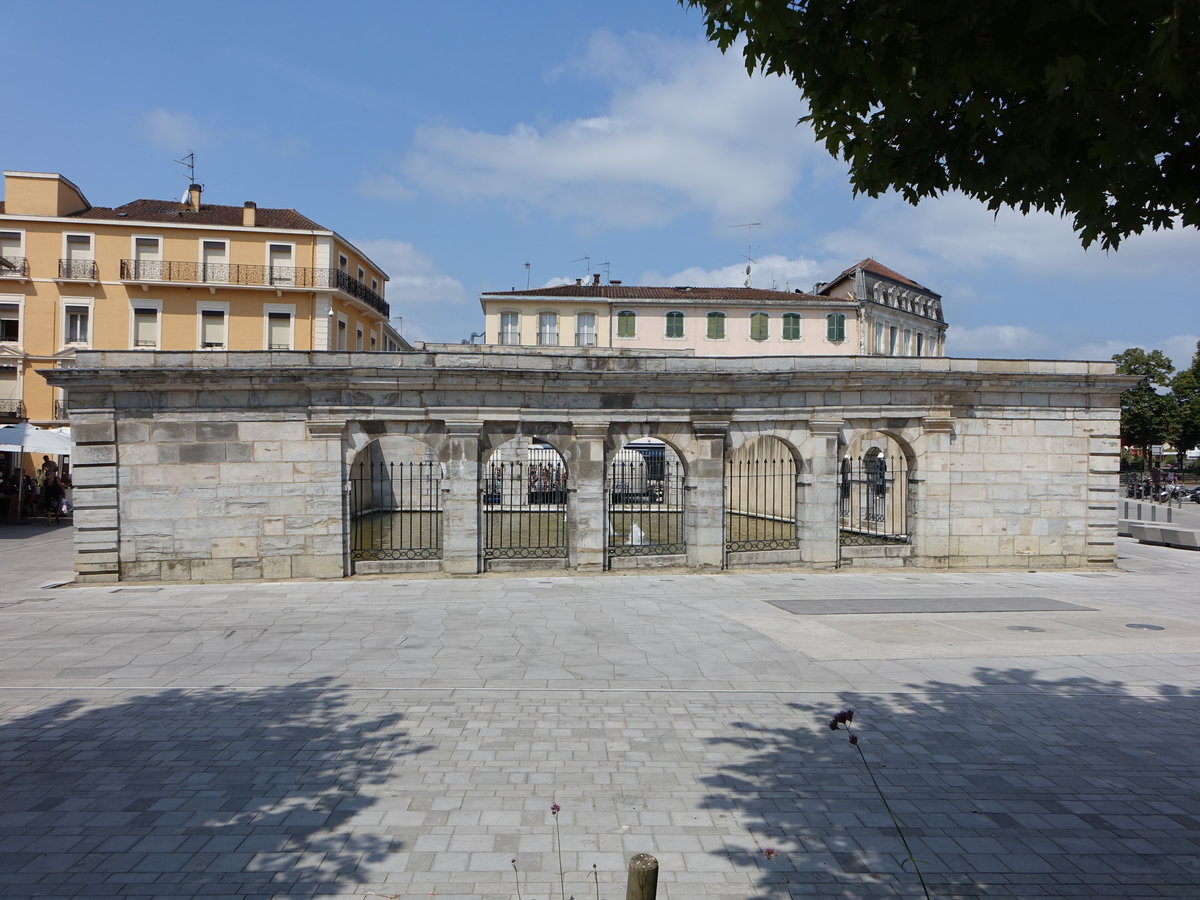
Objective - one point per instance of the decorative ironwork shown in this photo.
(525, 508)
(396, 511)
(14, 267)
(12, 409)
(760, 509)
(645, 509)
(873, 500)
(77, 269)
(251, 276)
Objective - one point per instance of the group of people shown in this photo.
(43, 493)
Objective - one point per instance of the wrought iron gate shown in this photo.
(760, 512)
(396, 511)
(873, 500)
(524, 509)
(645, 506)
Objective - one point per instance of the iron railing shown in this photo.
(645, 507)
(12, 409)
(251, 276)
(77, 269)
(13, 266)
(396, 511)
(524, 510)
(873, 500)
(760, 512)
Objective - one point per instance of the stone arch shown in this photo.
(523, 490)
(644, 476)
(875, 486)
(762, 495)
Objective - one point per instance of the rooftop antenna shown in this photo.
(189, 163)
(607, 267)
(587, 260)
(527, 276)
(749, 226)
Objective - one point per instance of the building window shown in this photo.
(343, 263)
(147, 258)
(281, 263)
(920, 344)
(585, 330)
(279, 330)
(341, 334)
(879, 338)
(362, 275)
(212, 329)
(716, 326)
(907, 342)
(76, 324)
(759, 326)
(372, 342)
(10, 323)
(835, 327)
(791, 326)
(547, 329)
(626, 324)
(358, 339)
(674, 325)
(145, 327)
(893, 332)
(375, 285)
(214, 261)
(510, 328)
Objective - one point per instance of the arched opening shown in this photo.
(873, 505)
(524, 501)
(760, 491)
(395, 501)
(645, 500)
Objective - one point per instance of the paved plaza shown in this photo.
(1038, 734)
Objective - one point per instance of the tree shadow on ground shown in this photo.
(190, 792)
(1017, 786)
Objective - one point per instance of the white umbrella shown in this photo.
(26, 438)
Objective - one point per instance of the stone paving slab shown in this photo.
(405, 738)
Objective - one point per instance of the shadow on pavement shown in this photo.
(1020, 786)
(180, 792)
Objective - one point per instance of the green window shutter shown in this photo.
(791, 326)
(626, 324)
(835, 327)
(716, 326)
(674, 324)
(758, 326)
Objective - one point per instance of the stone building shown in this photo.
(214, 466)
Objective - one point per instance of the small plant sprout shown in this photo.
(841, 721)
(516, 878)
(596, 878)
(562, 886)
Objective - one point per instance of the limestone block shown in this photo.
(217, 432)
(94, 454)
(235, 547)
(95, 538)
(89, 476)
(267, 451)
(308, 451)
(256, 472)
(141, 570)
(283, 544)
(163, 432)
(93, 432)
(271, 431)
(326, 546)
(188, 475)
(239, 451)
(161, 509)
(248, 569)
(329, 566)
(276, 566)
(211, 570)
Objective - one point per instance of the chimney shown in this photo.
(579, 281)
(596, 278)
(614, 281)
(248, 209)
(193, 200)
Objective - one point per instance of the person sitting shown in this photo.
(52, 498)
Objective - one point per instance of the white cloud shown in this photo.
(180, 132)
(414, 277)
(386, 187)
(770, 272)
(174, 131)
(694, 134)
(997, 341)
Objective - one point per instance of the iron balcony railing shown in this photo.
(255, 276)
(77, 269)
(12, 409)
(13, 267)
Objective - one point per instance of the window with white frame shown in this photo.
(77, 323)
(893, 336)
(907, 342)
(759, 326)
(10, 320)
(716, 326)
(214, 260)
(791, 326)
(12, 256)
(626, 323)
(281, 263)
(343, 263)
(674, 327)
(879, 337)
(548, 329)
(510, 328)
(585, 330)
(920, 344)
(358, 338)
(835, 327)
(279, 319)
(144, 327)
(147, 258)
(341, 332)
(213, 325)
(78, 257)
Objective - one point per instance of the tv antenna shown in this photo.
(607, 267)
(189, 163)
(587, 260)
(749, 226)
(527, 276)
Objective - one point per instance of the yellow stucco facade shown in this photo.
(168, 275)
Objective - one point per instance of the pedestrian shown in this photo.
(52, 498)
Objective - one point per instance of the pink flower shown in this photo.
(854, 739)
(554, 808)
(770, 853)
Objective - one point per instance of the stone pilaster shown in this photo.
(704, 510)
(930, 489)
(819, 504)
(585, 499)
(95, 495)
(460, 499)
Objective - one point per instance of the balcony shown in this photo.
(77, 270)
(14, 267)
(12, 409)
(160, 272)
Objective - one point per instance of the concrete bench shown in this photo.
(1162, 535)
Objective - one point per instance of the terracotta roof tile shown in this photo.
(876, 268)
(224, 216)
(672, 294)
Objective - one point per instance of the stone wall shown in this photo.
(222, 466)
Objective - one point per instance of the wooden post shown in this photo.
(643, 878)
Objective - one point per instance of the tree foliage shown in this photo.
(1184, 431)
(1084, 107)
(1146, 414)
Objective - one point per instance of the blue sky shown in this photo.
(455, 142)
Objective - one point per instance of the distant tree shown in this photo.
(1185, 392)
(1084, 107)
(1146, 415)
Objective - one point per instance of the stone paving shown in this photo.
(406, 738)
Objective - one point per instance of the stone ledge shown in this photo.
(1164, 535)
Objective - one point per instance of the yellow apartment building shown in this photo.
(168, 275)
